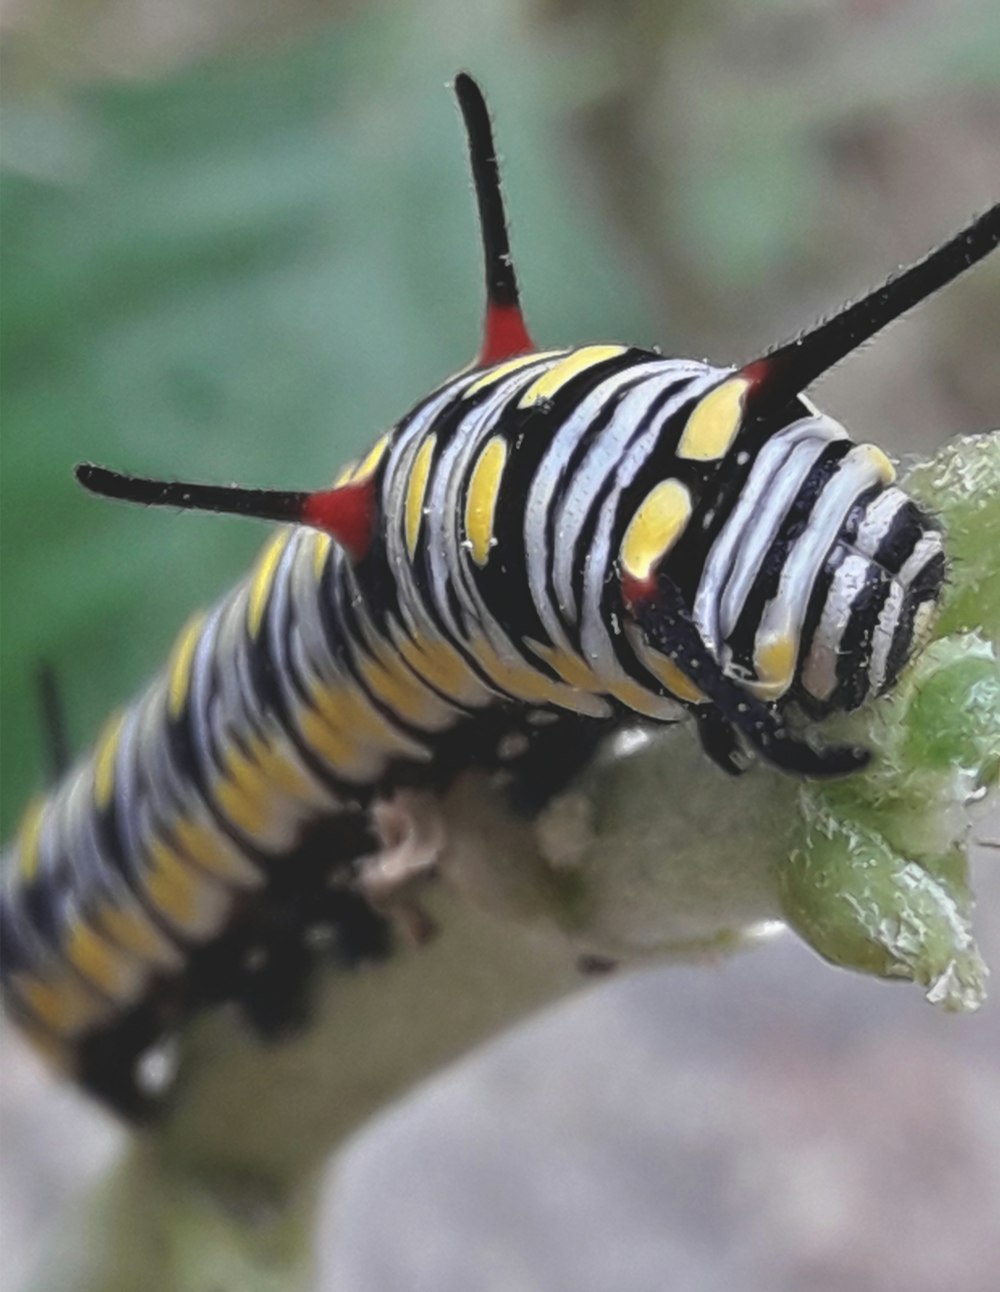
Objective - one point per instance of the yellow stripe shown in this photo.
(321, 550)
(551, 382)
(714, 422)
(441, 666)
(635, 696)
(521, 681)
(655, 527)
(104, 760)
(179, 669)
(480, 505)
(333, 747)
(94, 959)
(263, 577)
(171, 885)
(244, 773)
(502, 370)
(281, 770)
(28, 836)
(208, 848)
(135, 932)
(369, 463)
(673, 679)
(345, 473)
(416, 488)
(248, 812)
(571, 668)
(344, 708)
(399, 692)
(62, 1004)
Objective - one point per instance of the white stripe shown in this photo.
(878, 518)
(882, 638)
(548, 476)
(926, 549)
(598, 649)
(862, 468)
(819, 675)
(775, 479)
(599, 462)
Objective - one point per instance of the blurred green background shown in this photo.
(239, 240)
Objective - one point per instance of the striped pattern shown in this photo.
(510, 502)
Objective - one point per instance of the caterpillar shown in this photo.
(551, 543)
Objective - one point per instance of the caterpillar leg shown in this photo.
(719, 741)
(410, 833)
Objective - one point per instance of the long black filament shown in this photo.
(794, 366)
(501, 281)
(262, 504)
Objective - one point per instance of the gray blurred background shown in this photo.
(239, 240)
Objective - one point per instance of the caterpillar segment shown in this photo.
(551, 543)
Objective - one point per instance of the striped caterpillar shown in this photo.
(549, 544)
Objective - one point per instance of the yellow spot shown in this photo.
(416, 488)
(179, 669)
(713, 424)
(63, 1004)
(655, 527)
(27, 841)
(571, 668)
(94, 959)
(551, 382)
(493, 375)
(263, 577)
(774, 661)
(369, 464)
(104, 760)
(207, 847)
(480, 505)
(676, 682)
(321, 550)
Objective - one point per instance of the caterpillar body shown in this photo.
(548, 544)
